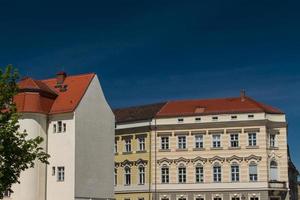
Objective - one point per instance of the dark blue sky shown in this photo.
(151, 51)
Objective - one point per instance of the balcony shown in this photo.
(277, 184)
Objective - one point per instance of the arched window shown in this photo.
(181, 174)
(127, 175)
(235, 172)
(141, 175)
(165, 174)
(273, 170)
(253, 171)
(199, 173)
(217, 172)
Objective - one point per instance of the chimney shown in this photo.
(243, 95)
(60, 77)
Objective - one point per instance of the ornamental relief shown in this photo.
(211, 160)
(131, 163)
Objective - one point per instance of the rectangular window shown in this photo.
(235, 173)
(127, 176)
(217, 174)
(54, 128)
(181, 175)
(141, 175)
(253, 172)
(116, 146)
(198, 119)
(234, 140)
(181, 142)
(53, 171)
(164, 175)
(252, 139)
(164, 142)
(215, 118)
(116, 177)
(254, 198)
(141, 141)
(250, 116)
(60, 173)
(217, 198)
(272, 140)
(199, 198)
(199, 174)
(233, 117)
(235, 198)
(216, 143)
(59, 124)
(7, 193)
(198, 141)
(64, 127)
(127, 145)
(180, 120)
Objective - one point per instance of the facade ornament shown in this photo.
(160, 161)
(218, 158)
(234, 157)
(199, 158)
(253, 157)
(181, 159)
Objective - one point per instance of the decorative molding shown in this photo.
(234, 157)
(160, 161)
(254, 130)
(233, 131)
(199, 158)
(181, 159)
(272, 154)
(143, 135)
(202, 132)
(141, 162)
(217, 131)
(216, 158)
(164, 134)
(127, 162)
(253, 157)
(127, 137)
(178, 133)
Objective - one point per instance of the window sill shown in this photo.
(273, 148)
(216, 148)
(181, 149)
(198, 149)
(234, 148)
(126, 153)
(252, 147)
(141, 151)
(164, 150)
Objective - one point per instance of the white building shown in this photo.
(77, 124)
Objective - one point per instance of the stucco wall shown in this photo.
(94, 139)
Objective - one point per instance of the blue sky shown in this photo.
(151, 51)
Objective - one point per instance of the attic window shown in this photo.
(215, 118)
(199, 110)
(180, 120)
(198, 119)
(233, 117)
(250, 116)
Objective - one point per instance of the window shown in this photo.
(254, 198)
(215, 118)
(181, 174)
(235, 198)
(272, 140)
(180, 120)
(234, 140)
(199, 174)
(54, 128)
(252, 139)
(217, 198)
(181, 198)
(181, 142)
(127, 175)
(141, 141)
(199, 198)
(127, 145)
(64, 127)
(165, 174)
(116, 176)
(253, 171)
(53, 171)
(216, 141)
(141, 198)
(60, 173)
(141, 175)
(250, 116)
(273, 171)
(233, 117)
(198, 141)
(198, 119)
(59, 124)
(235, 172)
(7, 193)
(164, 142)
(116, 146)
(217, 173)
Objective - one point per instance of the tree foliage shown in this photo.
(17, 151)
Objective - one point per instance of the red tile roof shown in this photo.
(215, 106)
(42, 96)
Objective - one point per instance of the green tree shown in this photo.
(17, 151)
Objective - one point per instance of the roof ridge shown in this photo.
(143, 105)
(68, 76)
(204, 99)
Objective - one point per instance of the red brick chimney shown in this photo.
(243, 95)
(60, 77)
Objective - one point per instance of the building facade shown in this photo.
(77, 124)
(216, 149)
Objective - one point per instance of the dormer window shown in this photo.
(233, 117)
(180, 120)
(198, 119)
(250, 116)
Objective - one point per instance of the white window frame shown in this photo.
(141, 175)
(273, 140)
(165, 174)
(127, 175)
(61, 174)
(165, 145)
(141, 142)
(253, 177)
(252, 139)
(217, 173)
(216, 140)
(234, 140)
(181, 142)
(235, 172)
(199, 173)
(199, 141)
(59, 127)
(127, 145)
(182, 174)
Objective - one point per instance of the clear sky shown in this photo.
(152, 51)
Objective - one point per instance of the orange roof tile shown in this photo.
(42, 96)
